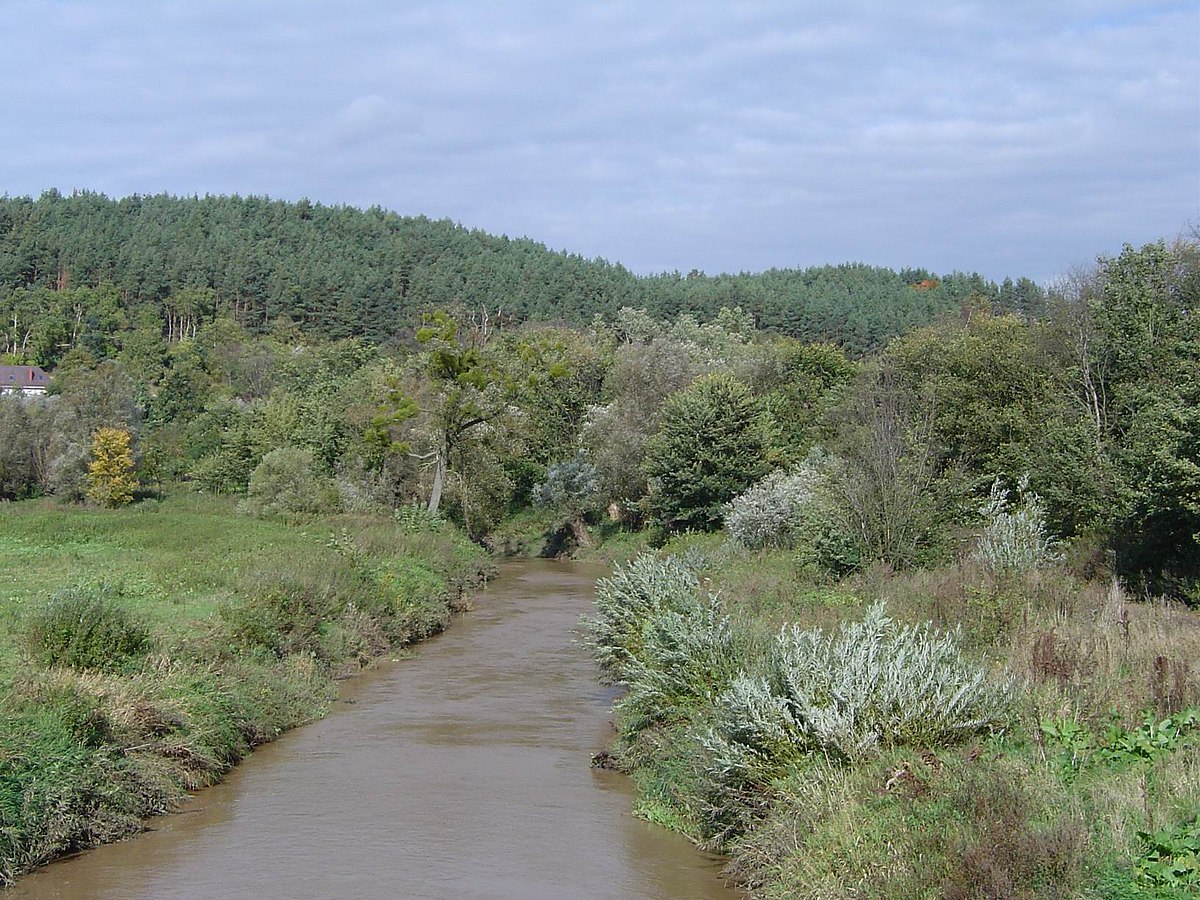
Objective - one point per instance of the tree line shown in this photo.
(1086, 394)
(85, 270)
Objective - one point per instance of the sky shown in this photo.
(1019, 138)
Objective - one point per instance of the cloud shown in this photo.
(1016, 138)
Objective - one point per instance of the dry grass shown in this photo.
(1102, 652)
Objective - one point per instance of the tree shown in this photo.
(642, 377)
(894, 485)
(1146, 314)
(572, 489)
(18, 448)
(712, 446)
(112, 477)
(467, 392)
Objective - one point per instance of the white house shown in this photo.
(23, 380)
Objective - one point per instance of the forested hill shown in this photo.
(337, 272)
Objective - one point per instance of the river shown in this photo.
(462, 772)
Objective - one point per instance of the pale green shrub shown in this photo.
(876, 683)
(871, 685)
(286, 482)
(796, 510)
(1014, 537)
(765, 514)
(573, 486)
(628, 600)
(687, 657)
(669, 641)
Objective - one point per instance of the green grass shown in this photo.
(176, 559)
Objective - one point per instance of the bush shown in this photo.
(687, 658)
(285, 482)
(85, 627)
(795, 510)
(872, 685)
(571, 489)
(1014, 537)
(572, 486)
(630, 599)
(765, 515)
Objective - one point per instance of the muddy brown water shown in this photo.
(462, 773)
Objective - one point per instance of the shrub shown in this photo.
(285, 482)
(687, 658)
(1014, 537)
(796, 510)
(627, 601)
(765, 515)
(876, 683)
(85, 627)
(871, 685)
(572, 486)
(571, 489)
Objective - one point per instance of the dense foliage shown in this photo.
(81, 269)
(981, 451)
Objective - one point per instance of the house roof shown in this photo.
(23, 377)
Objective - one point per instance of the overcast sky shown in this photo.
(1004, 136)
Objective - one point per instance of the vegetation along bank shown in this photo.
(148, 649)
(970, 507)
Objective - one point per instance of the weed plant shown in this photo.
(85, 626)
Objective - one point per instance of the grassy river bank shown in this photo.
(145, 651)
(976, 736)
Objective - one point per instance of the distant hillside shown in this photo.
(339, 272)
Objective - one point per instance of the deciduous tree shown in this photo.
(112, 476)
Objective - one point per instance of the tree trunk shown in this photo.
(583, 537)
(439, 479)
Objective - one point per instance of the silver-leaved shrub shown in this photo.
(628, 601)
(766, 515)
(870, 685)
(1014, 538)
(799, 510)
(668, 640)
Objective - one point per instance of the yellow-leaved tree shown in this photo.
(112, 478)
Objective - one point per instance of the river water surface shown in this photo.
(460, 773)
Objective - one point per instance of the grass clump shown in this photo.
(85, 626)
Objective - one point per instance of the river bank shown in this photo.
(931, 733)
(146, 651)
